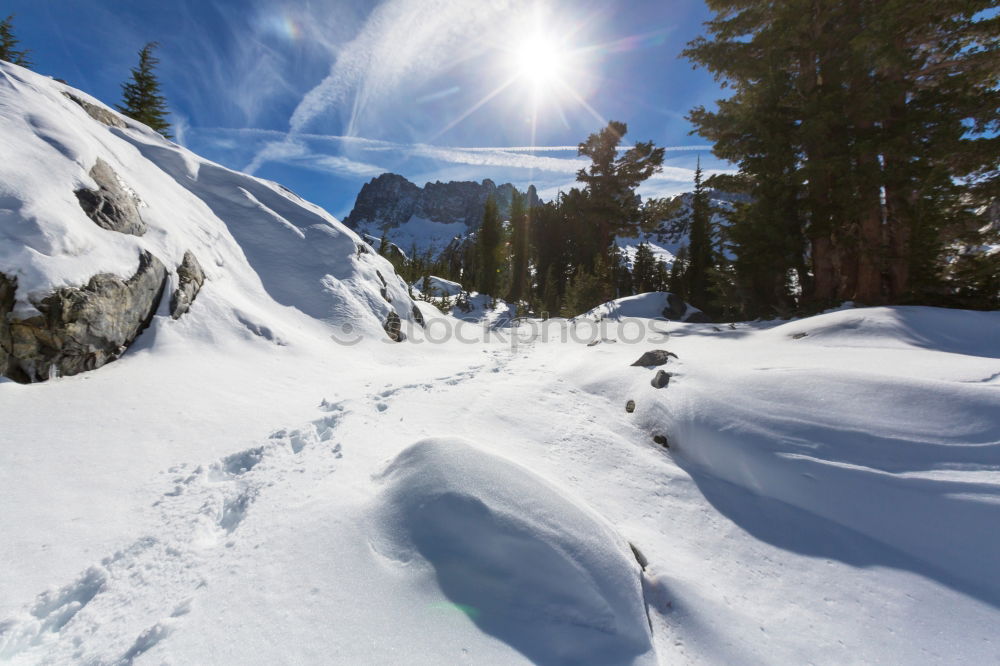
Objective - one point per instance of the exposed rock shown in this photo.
(654, 358)
(675, 309)
(418, 316)
(661, 379)
(98, 113)
(384, 290)
(678, 310)
(110, 206)
(639, 557)
(630, 406)
(662, 441)
(799, 336)
(393, 327)
(190, 278)
(8, 287)
(390, 200)
(81, 328)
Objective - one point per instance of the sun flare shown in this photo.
(539, 60)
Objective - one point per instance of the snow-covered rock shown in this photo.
(649, 305)
(84, 192)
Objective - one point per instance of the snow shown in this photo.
(261, 246)
(420, 233)
(648, 305)
(438, 287)
(528, 564)
(239, 488)
(662, 251)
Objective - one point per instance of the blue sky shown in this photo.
(322, 95)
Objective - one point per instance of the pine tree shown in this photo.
(701, 254)
(676, 283)
(586, 291)
(141, 98)
(8, 44)
(855, 123)
(662, 276)
(613, 207)
(488, 242)
(644, 269)
(520, 232)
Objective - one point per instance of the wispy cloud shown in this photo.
(402, 42)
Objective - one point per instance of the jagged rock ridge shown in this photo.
(391, 200)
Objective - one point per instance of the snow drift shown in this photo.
(530, 566)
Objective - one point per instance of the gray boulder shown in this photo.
(110, 206)
(8, 287)
(393, 326)
(661, 379)
(190, 278)
(79, 328)
(98, 113)
(654, 358)
(676, 309)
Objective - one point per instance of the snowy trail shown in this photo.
(155, 580)
(733, 575)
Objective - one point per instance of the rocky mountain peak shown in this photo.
(391, 200)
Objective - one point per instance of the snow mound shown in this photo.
(650, 305)
(438, 286)
(957, 331)
(260, 245)
(527, 564)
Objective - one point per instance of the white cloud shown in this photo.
(402, 42)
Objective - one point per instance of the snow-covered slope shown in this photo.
(828, 496)
(263, 249)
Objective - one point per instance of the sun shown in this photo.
(539, 60)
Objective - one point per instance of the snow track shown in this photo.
(123, 606)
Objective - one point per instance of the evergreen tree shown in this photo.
(520, 230)
(613, 207)
(8, 44)
(488, 242)
(701, 255)
(676, 283)
(586, 290)
(621, 276)
(662, 276)
(644, 269)
(854, 124)
(141, 98)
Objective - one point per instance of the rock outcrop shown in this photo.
(98, 113)
(393, 327)
(110, 206)
(654, 358)
(391, 200)
(190, 278)
(8, 288)
(79, 328)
